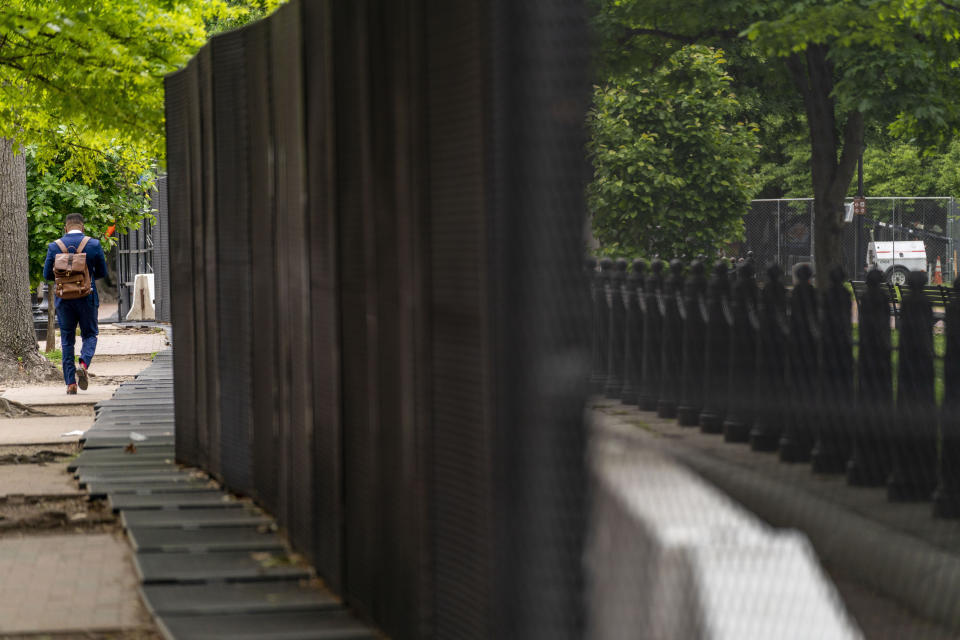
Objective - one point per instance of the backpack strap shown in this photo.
(63, 247)
(83, 244)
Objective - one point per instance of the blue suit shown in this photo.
(82, 311)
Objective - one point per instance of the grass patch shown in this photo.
(55, 356)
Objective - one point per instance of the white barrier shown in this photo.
(141, 303)
(670, 557)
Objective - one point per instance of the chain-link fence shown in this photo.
(782, 231)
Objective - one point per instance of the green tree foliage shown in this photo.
(670, 158)
(83, 89)
(87, 77)
(851, 64)
(110, 199)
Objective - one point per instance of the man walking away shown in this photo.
(76, 295)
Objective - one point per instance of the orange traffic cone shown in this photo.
(938, 273)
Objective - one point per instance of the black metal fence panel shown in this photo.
(233, 292)
(382, 206)
(264, 396)
(182, 310)
(207, 218)
(161, 250)
(324, 292)
(537, 308)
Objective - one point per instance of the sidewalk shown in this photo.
(65, 563)
(889, 555)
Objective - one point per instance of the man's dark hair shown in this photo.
(73, 220)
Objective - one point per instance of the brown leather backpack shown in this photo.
(70, 274)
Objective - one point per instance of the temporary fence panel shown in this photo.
(232, 267)
(264, 396)
(380, 242)
(182, 311)
(161, 250)
(325, 348)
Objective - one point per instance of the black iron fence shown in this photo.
(375, 217)
(789, 371)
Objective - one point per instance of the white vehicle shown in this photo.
(897, 258)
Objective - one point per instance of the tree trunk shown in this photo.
(51, 337)
(19, 356)
(812, 73)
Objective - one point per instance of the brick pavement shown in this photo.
(57, 583)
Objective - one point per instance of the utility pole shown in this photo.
(861, 254)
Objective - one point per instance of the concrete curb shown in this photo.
(919, 575)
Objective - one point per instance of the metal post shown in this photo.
(598, 378)
(832, 448)
(634, 334)
(694, 343)
(671, 340)
(914, 442)
(742, 355)
(618, 312)
(717, 345)
(797, 438)
(946, 500)
(650, 390)
(771, 363)
(869, 464)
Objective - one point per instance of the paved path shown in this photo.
(123, 344)
(37, 480)
(43, 430)
(58, 583)
(115, 368)
(43, 395)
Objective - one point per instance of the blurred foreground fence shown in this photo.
(381, 329)
(789, 372)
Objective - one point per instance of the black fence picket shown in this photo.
(671, 354)
(742, 356)
(913, 438)
(617, 341)
(946, 501)
(633, 332)
(601, 323)
(788, 372)
(717, 346)
(652, 333)
(797, 439)
(770, 391)
(694, 312)
(832, 447)
(870, 462)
